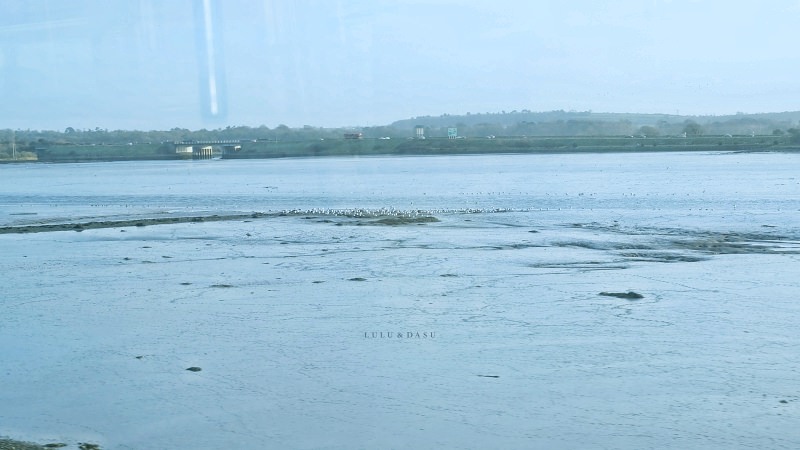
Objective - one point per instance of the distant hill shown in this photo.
(514, 124)
(585, 123)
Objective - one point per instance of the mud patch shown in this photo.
(630, 295)
(595, 245)
(395, 221)
(582, 265)
(8, 444)
(41, 228)
(662, 257)
(735, 244)
(667, 243)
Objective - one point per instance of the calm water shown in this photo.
(649, 185)
(290, 316)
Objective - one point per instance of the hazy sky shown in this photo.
(159, 64)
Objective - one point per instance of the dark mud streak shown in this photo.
(630, 295)
(730, 236)
(583, 266)
(729, 246)
(704, 242)
(394, 221)
(43, 228)
(662, 257)
(603, 245)
(8, 444)
(375, 218)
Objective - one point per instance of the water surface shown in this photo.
(319, 327)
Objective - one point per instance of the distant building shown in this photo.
(206, 149)
(452, 133)
(419, 132)
(353, 136)
(184, 151)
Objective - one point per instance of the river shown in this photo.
(622, 301)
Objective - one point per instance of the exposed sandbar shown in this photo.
(143, 222)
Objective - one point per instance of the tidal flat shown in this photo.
(636, 301)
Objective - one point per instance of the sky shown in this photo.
(161, 64)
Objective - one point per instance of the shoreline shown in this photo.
(69, 153)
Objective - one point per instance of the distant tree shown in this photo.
(648, 131)
(777, 132)
(487, 129)
(282, 132)
(692, 128)
(794, 135)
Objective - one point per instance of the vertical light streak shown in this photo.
(212, 76)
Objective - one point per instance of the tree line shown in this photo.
(487, 125)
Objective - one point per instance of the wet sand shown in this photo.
(327, 327)
(295, 319)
